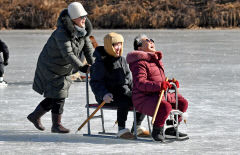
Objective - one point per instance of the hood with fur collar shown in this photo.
(65, 21)
(141, 55)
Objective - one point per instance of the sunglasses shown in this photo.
(150, 40)
(83, 17)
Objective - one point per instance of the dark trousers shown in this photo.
(124, 102)
(1, 69)
(56, 105)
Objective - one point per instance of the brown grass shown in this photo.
(42, 14)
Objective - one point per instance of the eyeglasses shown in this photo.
(83, 17)
(150, 40)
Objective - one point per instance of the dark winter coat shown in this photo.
(109, 75)
(148, 74)
(59, 56)
(4, 50)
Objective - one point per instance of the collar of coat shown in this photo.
(141, 55)
(65, 21)
(101, 55)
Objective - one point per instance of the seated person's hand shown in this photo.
(165, 85)
(176, 82)
(107, 98)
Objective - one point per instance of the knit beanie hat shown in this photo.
(76, 10)
(111, 39)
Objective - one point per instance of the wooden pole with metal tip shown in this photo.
(158, 105)
(100, 106)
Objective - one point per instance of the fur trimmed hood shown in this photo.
(141, 55)
(109, 40)
(65, 21)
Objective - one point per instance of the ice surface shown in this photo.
(205, 62)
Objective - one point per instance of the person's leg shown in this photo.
(123, 103)
(163, 113)
(141, 131)
(35, 117)
(122, 112)
(158, 126)
(182, 106)
(57, 111)
(140, 117)
(1, 71)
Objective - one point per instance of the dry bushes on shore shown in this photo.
(119, 14)
(29, 14)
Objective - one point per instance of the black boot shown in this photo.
(56, 124)
(157, 134)
(35, 116)
(170, 122)
(171, 133)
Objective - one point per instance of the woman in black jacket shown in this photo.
(111, 80)
(56, 62)
(4, 61)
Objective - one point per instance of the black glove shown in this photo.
(84, 68)
(5, 63)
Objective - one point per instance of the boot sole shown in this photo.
(175, 137)
(59, 132)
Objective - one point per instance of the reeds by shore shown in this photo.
(42, 14)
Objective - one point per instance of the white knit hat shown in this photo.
(75, 10)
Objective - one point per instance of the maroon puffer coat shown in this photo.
(148, 74)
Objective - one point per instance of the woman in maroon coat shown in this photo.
(148, 81)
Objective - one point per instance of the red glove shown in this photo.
(177, 83)
(165, 85)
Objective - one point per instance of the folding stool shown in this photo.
(106, 107)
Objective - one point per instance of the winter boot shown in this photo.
(35, 116)
(157, 134)
(141, 131)
(3, 83)
(171, 133)
(125, 134)
(56, 124)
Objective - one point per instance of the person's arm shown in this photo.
(66, 51)
(97, 81)
(128, 79)
(139, 73)
(88, 51)
(4, 49)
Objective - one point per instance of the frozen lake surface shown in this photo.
(205, 62)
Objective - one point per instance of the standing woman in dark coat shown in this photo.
(4, 61)
(56, 62)
(111, 81)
